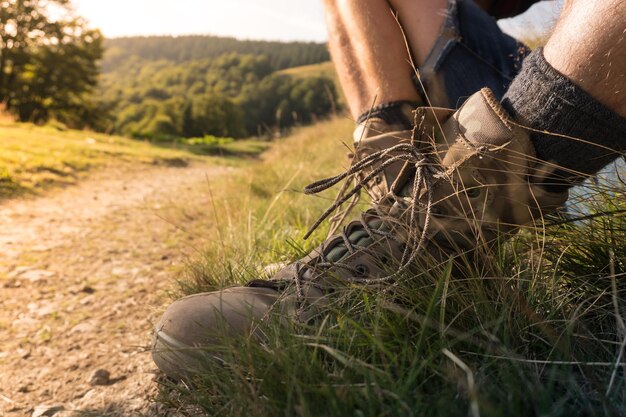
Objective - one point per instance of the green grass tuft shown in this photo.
(539, 334)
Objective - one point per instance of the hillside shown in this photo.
(164, 88)
(325, 69)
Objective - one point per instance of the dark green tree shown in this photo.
(312, 97)
(48, 66)
(214, 114)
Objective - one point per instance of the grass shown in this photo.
(33, 158)
(264, 206)
(537, 330)
(326, 69)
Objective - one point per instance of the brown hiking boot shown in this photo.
(458, 190)
(377, 131)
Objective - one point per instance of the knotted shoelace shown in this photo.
(423, 179)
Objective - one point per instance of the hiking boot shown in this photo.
(490, 182)
(381, 128)
(395, 116)
(386, 126)
(460, 188)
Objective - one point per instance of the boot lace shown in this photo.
(425, 172)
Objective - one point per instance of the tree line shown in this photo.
(178, 49)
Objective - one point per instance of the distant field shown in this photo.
(325, 69)
(33, 158)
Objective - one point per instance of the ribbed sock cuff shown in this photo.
(542, 98)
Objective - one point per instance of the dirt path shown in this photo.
(83, 272)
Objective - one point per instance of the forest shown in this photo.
(157, 88)
(233, 95)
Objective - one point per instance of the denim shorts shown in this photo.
(470, 53)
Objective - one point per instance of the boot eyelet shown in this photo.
(362, 270)
(473, 192)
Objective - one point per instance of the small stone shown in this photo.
(25, 323)
(23, 353)
(47, 410)
(100, 377)
(83, 328)
(12, 283)
(87, 300)
(88, 290)
(41, 309)
(81, 394)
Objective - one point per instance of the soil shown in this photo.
(84, 273)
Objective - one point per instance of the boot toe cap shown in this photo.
(190, 327)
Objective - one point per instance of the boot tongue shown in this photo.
(403, 185)
(380, 185)
(481, 121)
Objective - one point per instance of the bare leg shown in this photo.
(588, 46)
(421, 21)
(369, 51)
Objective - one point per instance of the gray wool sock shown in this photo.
(544, 99)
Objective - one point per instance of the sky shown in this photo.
(539, 19)
(249, 19)
(285, 20)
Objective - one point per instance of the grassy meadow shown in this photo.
(34, 158)
(326, 69)
(536, 330)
